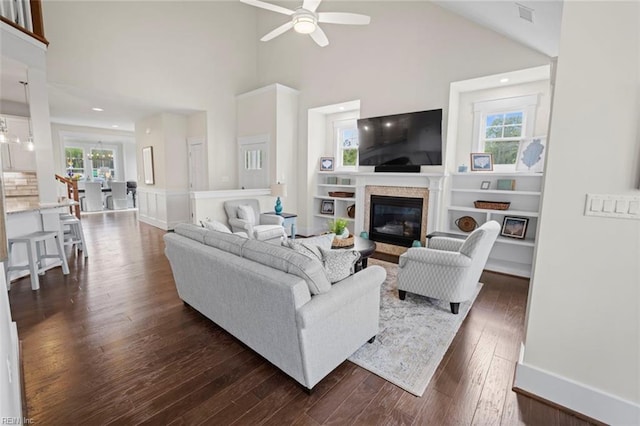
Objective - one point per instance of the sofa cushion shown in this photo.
(310, 246)
(245, 212)
(214, 225)
(191, 231)
(267, 232)
(230, 243)
(286, 260)
(339, 264)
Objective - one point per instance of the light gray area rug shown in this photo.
(414, 335)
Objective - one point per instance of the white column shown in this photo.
(41, 127)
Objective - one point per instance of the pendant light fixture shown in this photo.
(29, 146)
(5, 136)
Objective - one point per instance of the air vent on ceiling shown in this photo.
(525, 12)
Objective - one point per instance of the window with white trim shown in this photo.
(346, 132)
(500, 125)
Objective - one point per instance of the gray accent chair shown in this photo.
(263, 227)
(449, 269)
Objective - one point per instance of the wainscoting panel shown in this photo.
(163, 208)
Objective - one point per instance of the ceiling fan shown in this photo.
(305, 20)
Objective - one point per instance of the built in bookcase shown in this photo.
(343, 183)
(509, 255)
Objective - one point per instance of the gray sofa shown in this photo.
(275, 300)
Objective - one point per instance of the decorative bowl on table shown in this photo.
(343, 242)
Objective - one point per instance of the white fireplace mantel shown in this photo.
(433, 181)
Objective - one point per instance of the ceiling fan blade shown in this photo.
(275, 33)
(269, 6)
(343, 18)
(311, 5)
(320, 37)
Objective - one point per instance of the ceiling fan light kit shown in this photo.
(305, 20)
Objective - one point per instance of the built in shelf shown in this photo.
(498, 191)
(330, 216)
(501, 212)
(508, 267)
(328, 197)
(498, 174)
(333, 185)
(527, 242)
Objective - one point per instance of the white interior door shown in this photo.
(253, 162)
(197, 165)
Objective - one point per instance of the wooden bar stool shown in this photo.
(36, 252)
(74, 235)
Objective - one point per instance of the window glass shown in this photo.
(502, 135)
(103, 164)
(348, 141)
(75, 161)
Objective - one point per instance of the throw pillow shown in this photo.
(338, 264)
(309, 250)
(246, 213)
(214, 225)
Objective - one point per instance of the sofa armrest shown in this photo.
(365, 283)
(434, 257)
(445, 243)
(271, 219)
(240, 225)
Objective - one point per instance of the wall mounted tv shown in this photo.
(411, 139)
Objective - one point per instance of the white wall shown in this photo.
(403, 61)
(173, 56)
(583, 326)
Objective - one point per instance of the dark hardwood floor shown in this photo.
(111, 343)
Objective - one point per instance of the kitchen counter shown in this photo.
(32, 204)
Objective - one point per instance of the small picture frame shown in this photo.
(514, 227)
(506, 184)
(327, 207)
(481, 162)
(326, 164)
(485, 184)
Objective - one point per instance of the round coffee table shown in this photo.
(366, 248)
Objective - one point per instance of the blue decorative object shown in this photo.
(365, 235)
(462, 168)
(416, 243)
(533, 153)
(278, 207)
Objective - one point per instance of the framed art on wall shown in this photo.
(147, 164)
(531, 154)
(326, 164)
(481, 162)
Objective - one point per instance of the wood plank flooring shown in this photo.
(111, 343)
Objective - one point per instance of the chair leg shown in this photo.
(373, 339)
(402, 294)
(33, 264)
(455, 307)
(63, 257)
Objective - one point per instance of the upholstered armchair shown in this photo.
(244, 216)
(449, 269)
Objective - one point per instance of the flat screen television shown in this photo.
(413, 138)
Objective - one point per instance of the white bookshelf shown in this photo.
(509, 255)
(341, 204)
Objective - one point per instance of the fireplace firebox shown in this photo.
(395, 220)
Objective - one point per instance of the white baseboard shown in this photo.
(578, 397)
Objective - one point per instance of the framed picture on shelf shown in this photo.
(514, 227)
(507, 184)
(531, 152)
(326, 164)
(327, 207)
(485, 184)
(481, 162)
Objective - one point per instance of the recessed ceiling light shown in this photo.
(504, 80)
(97, 109)
(341, 108)
(388, 124)
(114, 125)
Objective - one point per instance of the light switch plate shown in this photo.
(612, 205)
